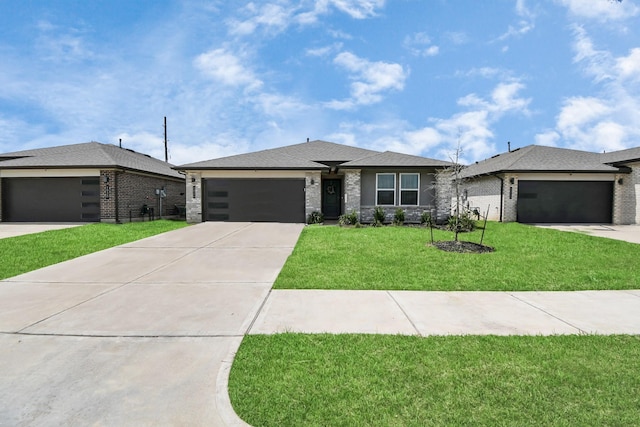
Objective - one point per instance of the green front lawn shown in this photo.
(32, 251)
(368, 380)
(526, 258)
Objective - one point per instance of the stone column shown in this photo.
(193, 195)
(352, 191)
(312, 193)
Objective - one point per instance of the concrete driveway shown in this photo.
(141, 334)
(12, 229)
(627, 233)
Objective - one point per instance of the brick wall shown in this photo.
(444, 191)
(626, 196)
(483, 193)
(127, 192)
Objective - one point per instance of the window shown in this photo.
(409, 188)
(386, 189)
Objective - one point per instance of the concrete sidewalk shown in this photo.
(450, 313)
(140, 334)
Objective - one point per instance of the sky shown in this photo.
(412, 76)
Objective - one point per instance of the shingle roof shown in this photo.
(86, 155)
(307, 155)
(393, 159)
(622, 156)
(536, 158)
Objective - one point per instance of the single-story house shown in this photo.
(289, 183)
(538, 184)
(87, 182)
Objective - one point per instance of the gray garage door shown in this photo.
(565, 202)
(51, 199)
(267, 200)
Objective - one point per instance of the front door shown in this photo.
(331, 198)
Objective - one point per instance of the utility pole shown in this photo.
(166, 150)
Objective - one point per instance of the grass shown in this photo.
(526, 258)
(32, 251)
(366, 380)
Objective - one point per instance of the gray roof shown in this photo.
(537, 158)
(306, 156)
(89, 155)
(622, 156)
(392, 159)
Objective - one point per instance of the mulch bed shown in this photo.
(463, 247)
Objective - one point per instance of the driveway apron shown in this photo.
(140, 334)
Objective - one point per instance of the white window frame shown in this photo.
(386, 189)
(417, 190)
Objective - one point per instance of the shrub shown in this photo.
(464, 223)
(425, 219)
(398, 217)
(315, 217)
(349, 219)
(378, 216)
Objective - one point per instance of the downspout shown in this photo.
(501, 195)
(115, 190)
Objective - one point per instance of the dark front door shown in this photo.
(331, 198)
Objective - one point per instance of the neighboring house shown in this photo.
(537, 184)
(289, 183)
(87, 182)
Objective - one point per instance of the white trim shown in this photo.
(417, 190)
(43, 173)
(386, 189)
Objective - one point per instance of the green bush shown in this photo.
(378, 216)
(426, 219)
(464, 223)
(315, 217)
(349, 219)
(398, 217)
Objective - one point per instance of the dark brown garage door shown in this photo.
(259, 200)
(565, 201)
(51, 199)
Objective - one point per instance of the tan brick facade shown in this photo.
(626, 194)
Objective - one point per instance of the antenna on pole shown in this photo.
(166, 151)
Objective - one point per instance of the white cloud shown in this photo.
(472, 127)
(419, 44)
(601, 10)
(628, 67)
(609, 119)
(276, 17)
(62, 44)
(525, 23)
(371, 79)
(226, 68)
(324, 51)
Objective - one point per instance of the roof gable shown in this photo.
(307, 155)
(86, 155)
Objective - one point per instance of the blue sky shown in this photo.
(411, 76)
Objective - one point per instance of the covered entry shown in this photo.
(74, 199)
(257, 200)
(565, 202)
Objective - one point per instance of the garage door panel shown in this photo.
(256, 200)
(565, 201)
(74, 199)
